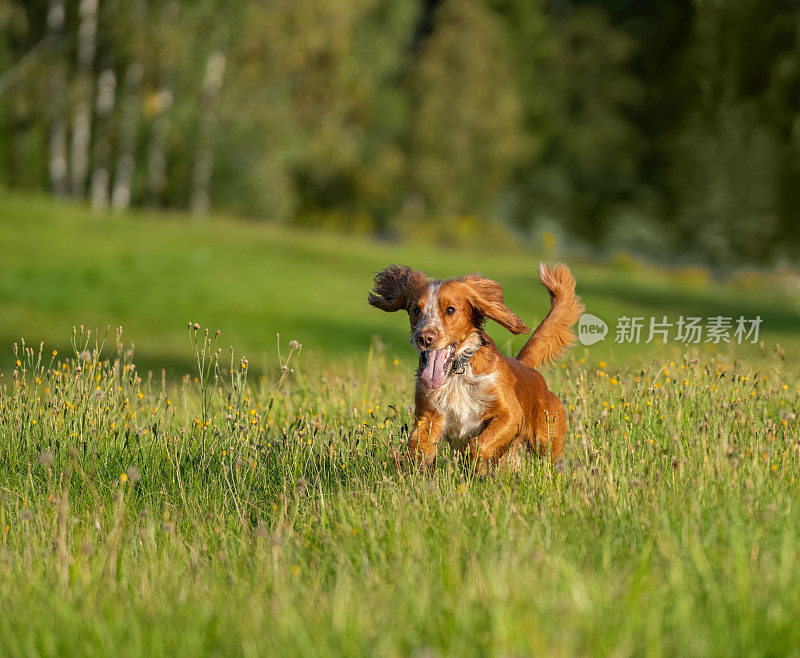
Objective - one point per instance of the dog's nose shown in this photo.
(426, 337)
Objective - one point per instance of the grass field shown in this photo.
(248, 510)
(153, 273)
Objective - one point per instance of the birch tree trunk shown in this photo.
(160, 107)
(101, 177)
(57, 151)
(126, 162)
(82, 120)
(204, 162)
(157, 149)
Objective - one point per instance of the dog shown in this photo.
(484, 404)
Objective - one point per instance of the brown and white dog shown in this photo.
(467, 392)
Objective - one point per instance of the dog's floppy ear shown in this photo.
(393, 287)
(486, 297)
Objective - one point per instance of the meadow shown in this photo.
(245, 501)
(154, 272)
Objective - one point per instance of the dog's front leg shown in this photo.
(494, 441)
(424, 439)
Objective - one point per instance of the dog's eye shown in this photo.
(417, 310)
(449, 310)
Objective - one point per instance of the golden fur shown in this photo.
(496, 405)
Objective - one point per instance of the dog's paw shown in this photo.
(409, 460)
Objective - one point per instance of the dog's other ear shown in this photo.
(394, 286)
(486, 297)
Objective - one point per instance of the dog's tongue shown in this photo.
(433, 374)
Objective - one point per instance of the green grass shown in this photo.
(246, 510)
(153, 273)
(267, 518)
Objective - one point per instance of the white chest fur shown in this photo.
(462, 401)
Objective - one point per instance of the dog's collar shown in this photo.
(460, 362)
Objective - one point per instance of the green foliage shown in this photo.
(735, 147)
(318, 82)
(662, 128)
(22, 124)
(466, 133)
(591, 150)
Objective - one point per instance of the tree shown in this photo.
(579, 102)
(314, 111)
(466, 134)
(732, 156)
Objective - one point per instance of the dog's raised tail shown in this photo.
(554, 334)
